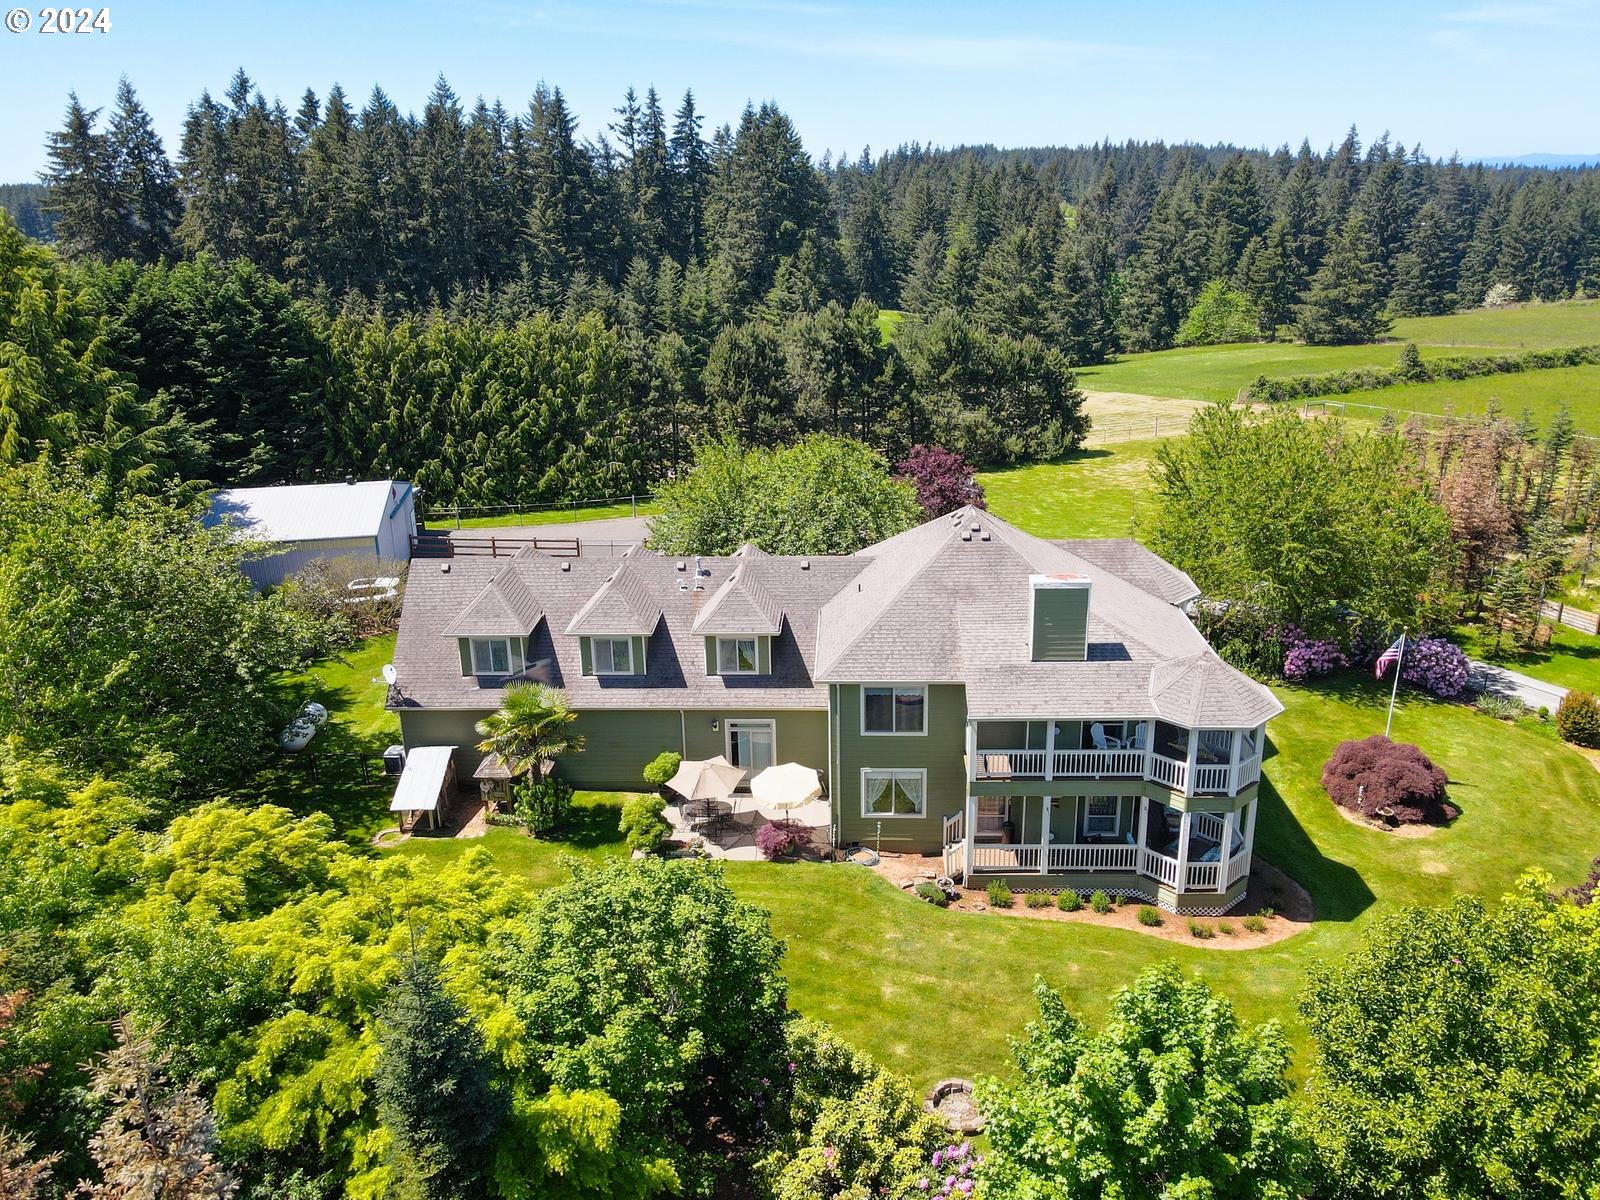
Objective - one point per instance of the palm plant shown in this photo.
(531, 726)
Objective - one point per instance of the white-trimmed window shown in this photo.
(1102, 816)
(491, 656)
(894, 793)
(737, 656)
(894, 709)
(612, 656)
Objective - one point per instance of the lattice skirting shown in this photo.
(1133, 893)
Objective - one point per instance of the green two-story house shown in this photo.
(1043, 712)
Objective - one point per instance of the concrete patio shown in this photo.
(736, 838)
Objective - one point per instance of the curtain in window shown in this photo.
(877, 785)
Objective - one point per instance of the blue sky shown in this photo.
(1484, 77)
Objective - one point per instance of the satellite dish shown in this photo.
(388, 673)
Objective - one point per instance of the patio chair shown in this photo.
(1097, 734)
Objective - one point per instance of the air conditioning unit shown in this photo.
(394, 760)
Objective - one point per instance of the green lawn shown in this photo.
(590, 834)
(889, 321)
(545, 516)
(1571, 660)
(1218, 372)
(1100, 492)
(341, 772)
(1540, 392)
(1521, 327)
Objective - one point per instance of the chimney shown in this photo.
(1058, 617)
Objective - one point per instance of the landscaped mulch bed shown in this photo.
(1291, 904)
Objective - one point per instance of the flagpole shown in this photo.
(1395, 690)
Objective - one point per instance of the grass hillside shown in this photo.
(1218, 372)
(1540, 392)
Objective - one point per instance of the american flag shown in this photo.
(1391, 655)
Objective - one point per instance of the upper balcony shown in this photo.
(1187, 762)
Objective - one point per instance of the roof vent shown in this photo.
(566, 566)
(350, 479)
(444, 568)
(680, 565)
(984, 536)
(966, 535)
(805, 564)
(976, 527)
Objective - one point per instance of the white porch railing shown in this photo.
(1169, 772)
(1158, 866)
(1202, 876)
(1116, 764)
(1006, 859)
(1073, 857)
(955, 837)
(1099, 764)
(1239, 867)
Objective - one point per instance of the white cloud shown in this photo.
(1550, 14)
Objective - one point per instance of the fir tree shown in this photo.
(145, 183)
(435, 1089)
(82, 192)
(1343, 305)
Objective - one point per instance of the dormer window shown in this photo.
(491, 656)
(737, 656)
(612, 656)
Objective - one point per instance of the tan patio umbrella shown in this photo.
(708, 779)
(786, 786)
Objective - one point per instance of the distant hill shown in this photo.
(1544, 160)
(24, 201)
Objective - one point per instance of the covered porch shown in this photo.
(1133, 844)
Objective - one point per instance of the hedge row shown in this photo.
(1414, 369)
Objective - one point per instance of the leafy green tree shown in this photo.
(131, 642)
(650, 981)
(823, 495)
(1302, 519)
(1219, 315)
(1454, 1051)
(1345, 302)
(532, 726)
(1173, 1098)
(568, 1146)
(435, 1089)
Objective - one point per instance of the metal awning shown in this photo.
(423, 780)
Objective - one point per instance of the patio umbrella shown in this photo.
(786, 786)
(708, 779)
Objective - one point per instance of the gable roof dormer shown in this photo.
(505, 608)
(743, 604)
(623, 605)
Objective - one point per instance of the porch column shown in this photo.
(1233, 761)
(972, 750)
(1188, 770)
(1183, 842)
(1144, 826)
(966, 828)
(1229, 825)
(1044, 835)
(1250, 830)
(1050, 749)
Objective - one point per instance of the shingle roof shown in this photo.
(503, 608)
(1202, 689)
(1136, 563)
(939, 603)
(622, 605)
(742, 604)
(429, 667)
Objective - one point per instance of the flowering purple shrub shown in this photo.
(952, 1173)
(1436, 666)
(779, 838)
(943, 479)
(1308, 657)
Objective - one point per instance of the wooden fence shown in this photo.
(1573, 618)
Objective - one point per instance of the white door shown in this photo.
(751, 745)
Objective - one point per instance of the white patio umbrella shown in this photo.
(786, 786)
(706, 779)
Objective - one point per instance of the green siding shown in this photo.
(617, 745)
(446, 728)
(585, 656)
(1060, 624)
(711, 656)
(465, 647)
(939, 752)
(637, 657)
(799, 736)
(764, 655)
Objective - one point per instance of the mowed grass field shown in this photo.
(1098, 492)
(1539, 393)
(1218, 372)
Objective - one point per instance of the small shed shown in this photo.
(306, 521)
(425, 785)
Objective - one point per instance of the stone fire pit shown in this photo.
(951, 1101)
